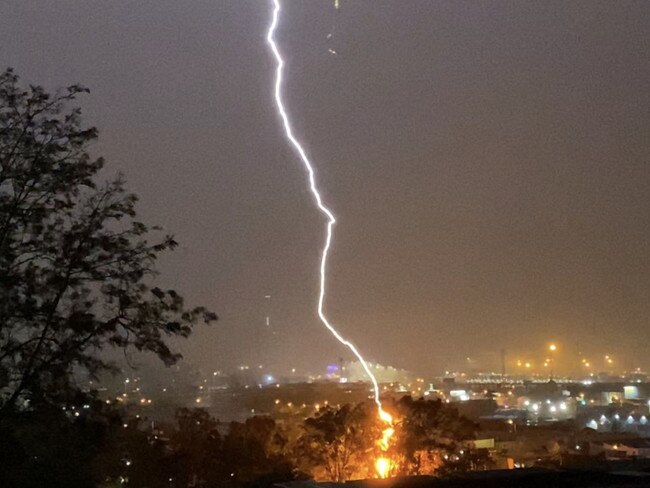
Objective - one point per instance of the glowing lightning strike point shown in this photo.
(383, 415)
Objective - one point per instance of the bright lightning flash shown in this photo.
(331, 220)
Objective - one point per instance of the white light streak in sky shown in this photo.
(331, 220)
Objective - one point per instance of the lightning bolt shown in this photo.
(331, 220)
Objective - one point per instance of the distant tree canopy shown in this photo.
(76, 265)
(337, 443)
(431, 435)
(340, 443)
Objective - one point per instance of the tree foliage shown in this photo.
(338, 442)
(51, 447)
(197, 451)
(197, 447)
(256, 452)
(430, 435)
(76, 266)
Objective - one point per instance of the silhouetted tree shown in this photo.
(54, 447)
(339, 441)
(75, 264)
(76, 268)
(255, 452)
(131, 455)
(429, 434)
(197, 450)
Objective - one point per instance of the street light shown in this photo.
(552, 348)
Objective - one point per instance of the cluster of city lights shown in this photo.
(548, 361)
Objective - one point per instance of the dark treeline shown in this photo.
(94, 444)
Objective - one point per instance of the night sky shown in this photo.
(488, 163)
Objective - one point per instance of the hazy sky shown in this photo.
(488, 163)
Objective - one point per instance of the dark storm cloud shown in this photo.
(488, 162)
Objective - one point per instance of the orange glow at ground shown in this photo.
(382, 465)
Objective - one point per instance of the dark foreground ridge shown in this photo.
(532, 478)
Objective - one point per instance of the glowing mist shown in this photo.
(331, 220)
